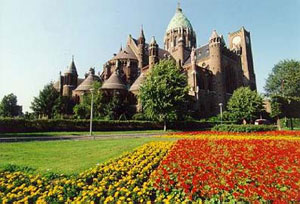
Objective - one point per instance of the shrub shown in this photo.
(23, 125)
(244, 128)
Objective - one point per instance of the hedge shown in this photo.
(23, 125)
(244, 128)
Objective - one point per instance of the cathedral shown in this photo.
(214, 70)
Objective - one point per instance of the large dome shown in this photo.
(179, 20)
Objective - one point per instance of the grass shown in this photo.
(53, 134)
(67, 157)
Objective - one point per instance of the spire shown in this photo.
(72, 68)
(142, 32)
(178, 6)
(153, 41)
(142, 36)
(214, 35)
(121, 47)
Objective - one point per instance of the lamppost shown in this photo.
(221, 111)
(91, 118)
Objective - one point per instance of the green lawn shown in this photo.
(68, 157)
(78, 133)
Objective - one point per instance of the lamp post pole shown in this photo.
(91, 118)
(221, 111)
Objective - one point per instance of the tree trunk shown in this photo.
(165, 125)
(291, 121)
(278, 123)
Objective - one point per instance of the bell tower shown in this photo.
(240, 42)
(180, 37)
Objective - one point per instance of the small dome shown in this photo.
(179, 20)
(138, 82)
(87, 84)
(114, 82)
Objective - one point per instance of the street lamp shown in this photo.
(221, 111)
(91, 118)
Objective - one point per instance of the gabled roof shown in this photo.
(114, 82)
(201, 52)
(127, 53)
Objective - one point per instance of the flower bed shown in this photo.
(229, 170)
(124, 179)
(209, 166)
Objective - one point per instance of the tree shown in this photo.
(244, 104)
(83, 109)
(9, 107)
(117, 108)
(284, 79)
(47, 102)
(164, 93)
(64, 106)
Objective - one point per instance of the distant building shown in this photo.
(214, 70)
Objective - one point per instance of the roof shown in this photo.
(127, 53)
(214, 35)
(71, 69)
(87, 83)
(201, 52)
(114, 82)
(138, 82)
(179, 20)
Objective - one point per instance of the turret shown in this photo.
(70, 79)
(153, 53)
(180, 37)
(193, 83)
(141, 49)
(216, 44)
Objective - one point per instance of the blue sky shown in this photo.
(39, 37)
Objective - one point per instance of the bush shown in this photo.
(23, 125)
(244, 128)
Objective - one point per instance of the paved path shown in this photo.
(75, 137)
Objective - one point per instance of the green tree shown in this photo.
(164, 93)
(244, 104)
(284, 79)
(9, 107)
(83, 109)
(64, 106)
(47, 102)
(117, 108)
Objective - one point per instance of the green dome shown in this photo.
(179, 20)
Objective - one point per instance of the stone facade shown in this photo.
(214, 70)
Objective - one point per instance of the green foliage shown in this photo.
(64, 106)
(284, 79)
(164, 94)
(83, 109)
(244, 104)
(243, 128)
(117, 108)
(14, 168)
(138, 116)
(47, 102)
(22, 125)
(9, 107)
(277, 104)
